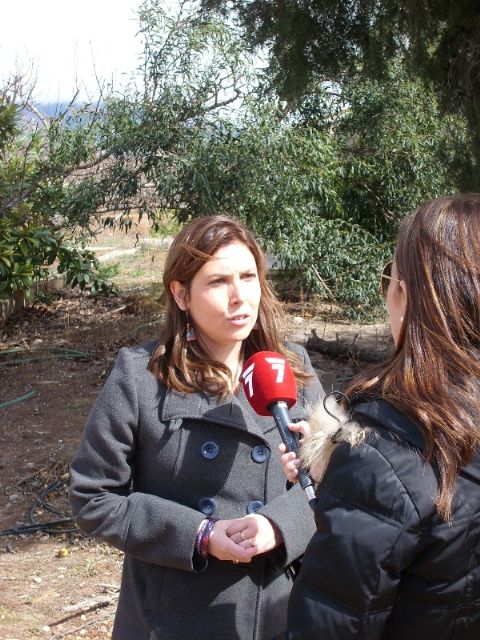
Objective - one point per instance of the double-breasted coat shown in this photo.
(152, 464)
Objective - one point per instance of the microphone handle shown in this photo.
(282, 419)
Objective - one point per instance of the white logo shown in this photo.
(247, 377)
(278, 365)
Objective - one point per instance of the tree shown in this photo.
(43, 217)
(60, 176)
(173, 147)
(336, 39)
(322, 183)
(193, 69)
(398, 149)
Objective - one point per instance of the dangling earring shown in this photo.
(401, 318)
(190, 334)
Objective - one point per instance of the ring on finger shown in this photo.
(242, 533)
(236, 561)
(252, 542)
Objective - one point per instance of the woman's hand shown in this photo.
(255, 533)
(289, 460)
(222, 547)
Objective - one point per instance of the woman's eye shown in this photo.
(218, 281)
(249, 276)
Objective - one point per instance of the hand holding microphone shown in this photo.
(289, 459)
(269, 385)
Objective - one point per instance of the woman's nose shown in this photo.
(237, 292)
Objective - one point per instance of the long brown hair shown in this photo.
(434, 374)
(185, 366)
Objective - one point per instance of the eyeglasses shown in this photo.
(386, 277)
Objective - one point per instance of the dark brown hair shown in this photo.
(434, 374)
(185, 366)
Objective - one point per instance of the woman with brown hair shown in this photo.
(175, 468)
(396, 553)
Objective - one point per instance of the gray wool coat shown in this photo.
(152, 464)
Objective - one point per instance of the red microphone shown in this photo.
(270, 387)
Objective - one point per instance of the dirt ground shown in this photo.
(54, 359)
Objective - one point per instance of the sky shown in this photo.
(67, 44)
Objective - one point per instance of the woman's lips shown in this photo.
(240, 319)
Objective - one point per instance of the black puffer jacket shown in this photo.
(382, 563)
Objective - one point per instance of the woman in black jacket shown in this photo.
(396, 554)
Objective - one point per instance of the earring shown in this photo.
(190, 334)
(401, 318)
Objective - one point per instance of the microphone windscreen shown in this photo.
(267, 378)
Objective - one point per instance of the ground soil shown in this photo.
(56, 357)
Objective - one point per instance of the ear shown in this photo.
(179, 292)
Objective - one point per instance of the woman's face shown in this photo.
(223, 299)
(396, 301)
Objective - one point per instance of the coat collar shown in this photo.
(235, 411)
(389, 417)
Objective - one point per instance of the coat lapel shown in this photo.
(234, 411)
(230, 412)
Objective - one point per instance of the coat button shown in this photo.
(260, 453)
(210, 450)
(254, 506)
(207, 506)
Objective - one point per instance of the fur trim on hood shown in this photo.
(328, 431)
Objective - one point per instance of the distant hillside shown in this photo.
(52, 108)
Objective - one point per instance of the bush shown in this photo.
(45, 213)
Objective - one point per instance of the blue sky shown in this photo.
(66, 43)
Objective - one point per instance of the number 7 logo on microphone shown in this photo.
(278, 365)
(247, 377)
(268, 378)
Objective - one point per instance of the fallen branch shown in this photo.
(60, 636)
(86, 606)
(109, 587)
(343, 349)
